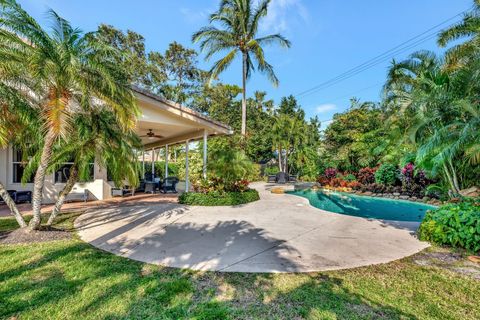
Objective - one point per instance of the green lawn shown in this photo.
(70, 279)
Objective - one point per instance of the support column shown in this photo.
(143, 164)
(166, 161)
(186, 167)
(204, 154)
(153, 163)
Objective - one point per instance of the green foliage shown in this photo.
(456, 224)
(173, 168)
(354, 138)
(349, 177)
(230, 166)
(216, 198)
(273, 170)
(387, 174)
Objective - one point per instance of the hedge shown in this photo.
(218, 199)
(456, 224)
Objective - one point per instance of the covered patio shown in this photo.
(164, 124)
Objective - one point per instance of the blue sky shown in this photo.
(328, 38)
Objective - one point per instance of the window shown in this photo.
(18, 166)
(63, 173)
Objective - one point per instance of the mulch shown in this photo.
(24, 236)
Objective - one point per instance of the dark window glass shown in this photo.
(18, 167)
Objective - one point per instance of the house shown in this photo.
(162, 123)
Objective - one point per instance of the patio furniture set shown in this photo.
(150, 184)
(282, 178)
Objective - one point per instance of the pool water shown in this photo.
(366, 207)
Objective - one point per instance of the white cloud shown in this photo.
(325, 108)
(195, 16)
(280, 13)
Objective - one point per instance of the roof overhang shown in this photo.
(172, 121)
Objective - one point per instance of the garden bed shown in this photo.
(219, 198)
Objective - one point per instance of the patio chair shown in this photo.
(292, 178)
(13, 195)
(150, 187)
(272, 179)
(169, 184)
(121, 192)
(281, 177)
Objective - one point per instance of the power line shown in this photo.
(412, 42)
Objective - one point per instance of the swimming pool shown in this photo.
(366, 207)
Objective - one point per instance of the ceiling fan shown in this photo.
(151, 135)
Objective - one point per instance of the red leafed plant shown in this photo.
(366, 175)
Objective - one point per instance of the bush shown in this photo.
(455, 224)
(231, 166)
(349, 177)
(387, 174)
(271, 171)
(331, 173)
(366, 175)
(216, 198)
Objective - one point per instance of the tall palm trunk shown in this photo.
(280, 161)
(72, 179)
(12, 206)
(40, 179)
(244, 94)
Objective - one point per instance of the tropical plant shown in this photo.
(230, 166)
(59, 73)
(387, 174)
(455, 224)
(98, 137)
(239, 20)
(469, 27)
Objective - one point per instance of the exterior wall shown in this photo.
(99, 189)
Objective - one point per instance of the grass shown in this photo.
(70, 279)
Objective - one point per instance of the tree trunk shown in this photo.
(455, 178)
(280, 161)
(449, 178)
(244, 94)
(12, 206)
(40, 179)
(72, 179)
(286, 161)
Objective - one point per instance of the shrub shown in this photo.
(331, 173)
(349, 177)
(355, 185)
(338, 182)
(366, 175)
(270, 170)
(455, 224)
(216, 198)
(387, 174)
(230, 166)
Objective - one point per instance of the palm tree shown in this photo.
(469, 28)
(97, 136)
(59, 73)
(240, 21)
(18, 124)
(441, 110)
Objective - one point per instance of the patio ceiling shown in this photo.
(172, 122)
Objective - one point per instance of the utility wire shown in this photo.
(412, 42)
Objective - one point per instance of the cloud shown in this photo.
(195, 16)
(325, 108)
(280, 14)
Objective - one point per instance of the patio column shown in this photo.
(153, 163)
(186, 167)
(143, 164)
(166, 161)
(204, 154)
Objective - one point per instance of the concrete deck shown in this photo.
(279, 233)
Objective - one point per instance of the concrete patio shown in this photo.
(279, 233)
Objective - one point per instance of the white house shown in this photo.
(162, 123)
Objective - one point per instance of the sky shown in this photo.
(328, 38)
